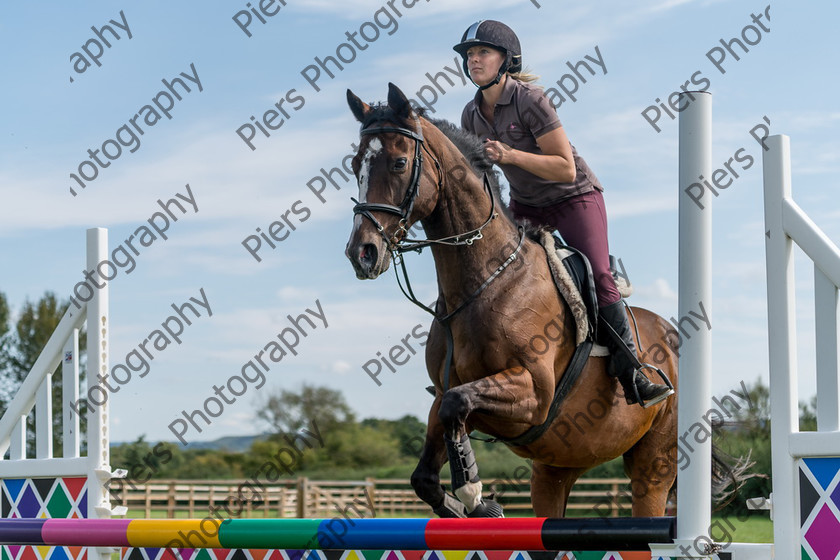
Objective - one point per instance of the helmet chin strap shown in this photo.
(495, 81)
(502, 69)
(491, 84)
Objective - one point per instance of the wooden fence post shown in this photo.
(371, 488)
(170, 505)
(148, 501)
(281, 505)
(615, 511)
(302, 497)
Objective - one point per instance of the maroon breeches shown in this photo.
(582, 221)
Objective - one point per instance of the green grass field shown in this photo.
(755, 529)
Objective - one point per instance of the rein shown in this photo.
(444, 320)
(399, 244)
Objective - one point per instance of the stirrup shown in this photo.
(655, 400)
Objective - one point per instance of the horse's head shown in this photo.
(395, 188)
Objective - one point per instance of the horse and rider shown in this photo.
(487, 374)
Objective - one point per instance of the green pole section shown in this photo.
(269, 533)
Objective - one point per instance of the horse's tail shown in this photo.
(729, 474)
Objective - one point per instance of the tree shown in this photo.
(359, 447)
(808, 415)
(288, 412)
(5, 341)
(408, 431)
(755, 418)
(20, 348)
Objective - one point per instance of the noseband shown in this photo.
(398, 242)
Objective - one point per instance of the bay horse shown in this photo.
(502, 336)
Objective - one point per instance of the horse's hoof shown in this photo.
(487, 508)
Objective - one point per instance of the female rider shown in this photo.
(550, 184)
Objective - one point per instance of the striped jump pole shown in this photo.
(354, 534)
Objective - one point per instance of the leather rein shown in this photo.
(398, 242)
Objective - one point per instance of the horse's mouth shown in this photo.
(369, 262)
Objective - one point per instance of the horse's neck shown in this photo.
(464, 205)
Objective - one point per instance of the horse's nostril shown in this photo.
(368, 254)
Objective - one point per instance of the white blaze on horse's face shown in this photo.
(373, 149)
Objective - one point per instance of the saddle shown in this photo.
(573, 277)
(575, 281)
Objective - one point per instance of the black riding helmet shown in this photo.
(493, 34)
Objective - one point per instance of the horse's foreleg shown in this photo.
(426, 476)
(455, 406)
(495, 395)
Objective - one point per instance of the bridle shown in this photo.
(398, 243)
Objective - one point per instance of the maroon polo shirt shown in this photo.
(523, 114)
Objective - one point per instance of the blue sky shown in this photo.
(649, 48)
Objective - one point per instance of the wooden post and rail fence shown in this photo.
(372, 497)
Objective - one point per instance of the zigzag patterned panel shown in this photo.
(819, 507)
(43, 498)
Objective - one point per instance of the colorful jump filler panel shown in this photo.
(366, 539)
(819, 507)
(42, 498)
(541, 534)
(252, 554)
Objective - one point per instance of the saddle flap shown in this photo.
(578, 267)
(574, 280)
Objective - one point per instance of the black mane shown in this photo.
(470, 145)
(472, 148)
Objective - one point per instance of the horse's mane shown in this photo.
(470, 145)
(472, 148)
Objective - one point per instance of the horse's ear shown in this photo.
(398, 102)
(360, 108)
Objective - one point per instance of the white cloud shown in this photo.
(340, 367)
(353, 9)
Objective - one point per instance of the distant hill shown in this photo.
(233, 444)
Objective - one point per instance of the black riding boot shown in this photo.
(622, 367)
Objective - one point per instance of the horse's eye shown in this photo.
(400, 164)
